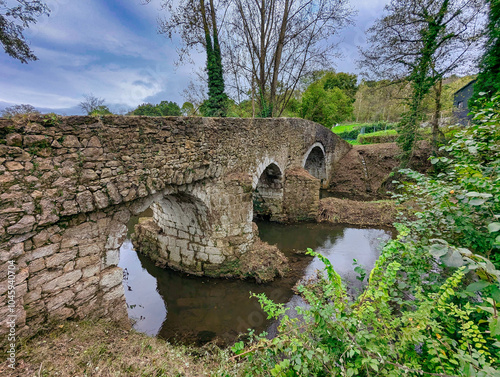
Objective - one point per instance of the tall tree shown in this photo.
(14, 110)
(197, 24)
(91, 103)
(422, 41)
(15, 17)
(329, 98)
(488, 80)
(275, 43)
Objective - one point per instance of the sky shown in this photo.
(112, 49)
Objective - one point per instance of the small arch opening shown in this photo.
(268, 194)
(315, 164)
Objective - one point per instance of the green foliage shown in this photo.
(433, 297)
(325, 106)
(217, 103)
(352, 133)
(329, 99)
(378, 137)
(488, 80)
(101, 110)
(188, 109)
(15, 17)
(164, 108)
(465, 195)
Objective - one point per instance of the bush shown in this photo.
(388, 136)
(353, 133)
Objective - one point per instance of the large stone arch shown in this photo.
(315, 162)
(179, 234)
(268, 191)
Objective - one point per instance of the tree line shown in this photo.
(262, 53)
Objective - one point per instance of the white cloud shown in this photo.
(90, 25)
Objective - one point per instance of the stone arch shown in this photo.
(315, 162)
(268, 192)
(179, 233)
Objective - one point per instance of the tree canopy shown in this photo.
(422, 41)
(14, 110)
(488, 80)
(164, 108)
(329, 99)
(14, 19)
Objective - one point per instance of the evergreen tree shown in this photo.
(488, 80)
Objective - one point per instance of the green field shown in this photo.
(347, 127)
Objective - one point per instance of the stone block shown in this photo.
(33, 295)
(117, 234)
(216, 259)
(111, 277)
(60, 259)
(114, 294)
(14, 252)
(89, 260)
(91, 249)
(24, 225)
(90, 271)
(13, 165)
(63, 281)
(45, 251)
(41, 278)
(62, 313)
(62, 298)
(71, 141)
(85, 201)
(101, 199)
(15, 140)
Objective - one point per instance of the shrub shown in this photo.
(378, 137)
(353, 133)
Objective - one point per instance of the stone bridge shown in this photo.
(70, 185)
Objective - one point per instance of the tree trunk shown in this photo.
(437, 114)
(277, 56)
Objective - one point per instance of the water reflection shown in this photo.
(191, 309)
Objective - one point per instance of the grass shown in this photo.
(346, 127)
(383, 133)
(99, 348)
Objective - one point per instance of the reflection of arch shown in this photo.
(268, 192)
(315, 162)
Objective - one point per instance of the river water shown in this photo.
(193, 310)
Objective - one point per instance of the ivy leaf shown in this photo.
(494, 227)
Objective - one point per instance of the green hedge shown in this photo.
(353, 133)
(388, 136)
